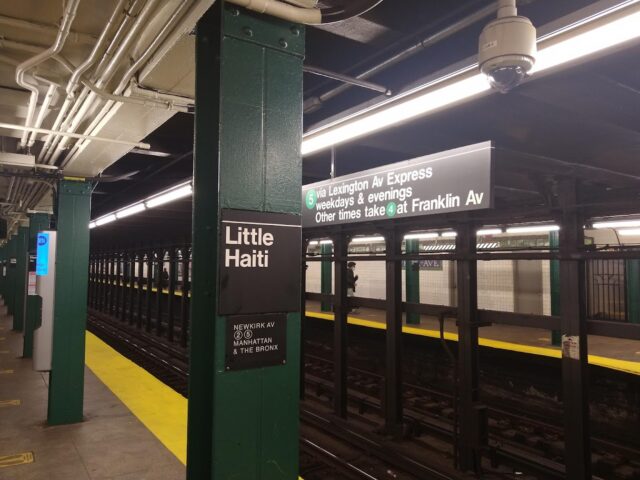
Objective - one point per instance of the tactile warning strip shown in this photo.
(17, 459)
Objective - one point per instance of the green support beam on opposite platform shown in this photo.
(37, 223)
(66, 386)
(554, 286)
(242, 424)
(11, 274)
(326, 276)
(20, 289)
(633, 291)
(3, 272)
(412, 280)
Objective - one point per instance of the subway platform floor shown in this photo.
(616, 353)
(111, 442)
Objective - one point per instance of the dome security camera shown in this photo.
(507, 50)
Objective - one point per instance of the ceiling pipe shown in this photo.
(76, 117)
(316, 102)
(346, 79)
(74, 104)
(65, 26)
(13, 126)
(291, 13)
(169, 33)
(76, 37)
(352, 8)
(303, 3)
(93, 56)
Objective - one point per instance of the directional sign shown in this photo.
(451, 181)
(254, 341)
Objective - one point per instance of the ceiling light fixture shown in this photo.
(575, 42)
(489, 231)
(629, 231)
(449, 234)
(420, 236)
(174, 193)
(367, 239)
(534, 229)
(169, 196)
(104, 220)
(617, 224)
(132, 210)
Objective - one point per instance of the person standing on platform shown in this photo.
(352, 278)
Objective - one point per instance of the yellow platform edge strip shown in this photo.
(161, 409)
(17, 459)
(612, 363)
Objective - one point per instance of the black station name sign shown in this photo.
(259, 265)
(451, 181)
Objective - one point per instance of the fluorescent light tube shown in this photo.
(420, 236)
(92, 225)
(130, 210)
(534, 229)
(612, 33)
(489, 231)
(629, 231)
(599, 33)
(367, 239)
(326, 242)
(617, 224)
(397, 111)
(104, 220)
(169, 196)
(313, 243)
(449, 234)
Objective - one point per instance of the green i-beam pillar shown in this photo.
(66, 385)
(326, 270)
(20, 289)
(554, 286)
(11, 274)
(243, 423)
(633, 290)
(412, 279)
(3, 273)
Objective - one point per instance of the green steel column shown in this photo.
(66, 386)
(22, 264)
(37, 223)
(554, 286)
(11, 275)
(326, 279)
(242, 424)
(3, 278)
(412, 280)
(633, 291)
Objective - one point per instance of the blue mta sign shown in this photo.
(42, 254)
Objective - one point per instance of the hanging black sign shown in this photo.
(259, 262)
(445, 182)
(254, 341)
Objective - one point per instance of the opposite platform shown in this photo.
(110, 444)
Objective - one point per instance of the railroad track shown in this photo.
(524, 443)
(340, 457)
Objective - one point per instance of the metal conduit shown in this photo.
(163, 35)
(317, 101)
(105, 76)
(67, 19)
